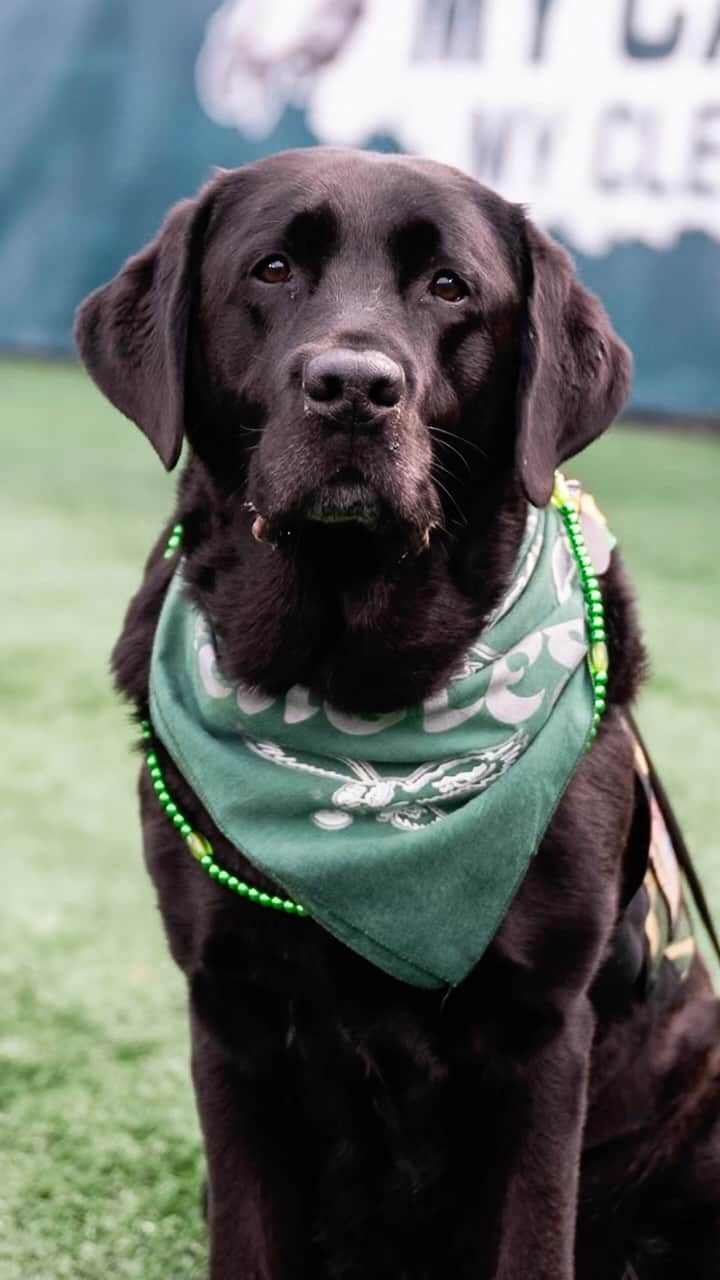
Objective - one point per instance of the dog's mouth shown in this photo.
(346, 500)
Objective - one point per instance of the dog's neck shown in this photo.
(353, 619)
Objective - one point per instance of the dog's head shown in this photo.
(348, 337)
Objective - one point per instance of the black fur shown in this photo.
(357, 1128)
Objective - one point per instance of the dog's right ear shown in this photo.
(132, 333)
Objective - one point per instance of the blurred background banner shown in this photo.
(603, 118)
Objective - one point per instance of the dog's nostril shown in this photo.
(323, 387)
(347, 376)
(387, 391)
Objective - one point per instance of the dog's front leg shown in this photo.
(255, 1191)
(539, 1214)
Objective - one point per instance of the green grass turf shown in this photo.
(101, 1164)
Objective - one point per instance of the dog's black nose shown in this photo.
(366, 380)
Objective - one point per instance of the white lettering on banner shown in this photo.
(213, 683)
(602, 117)
(344, 722)
(508, 707)
(566, 643)
(440, 717)
(251, 701)
(298, 706)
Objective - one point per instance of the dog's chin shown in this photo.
(346, 503)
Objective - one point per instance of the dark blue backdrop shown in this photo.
(102, 130)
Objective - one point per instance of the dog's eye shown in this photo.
(273, 270)
(448, 286)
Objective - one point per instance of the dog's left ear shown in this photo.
(575, 372)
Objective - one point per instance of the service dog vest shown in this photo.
(404, 834)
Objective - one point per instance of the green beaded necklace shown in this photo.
(598, 657)
(598, 663)
(199, 845)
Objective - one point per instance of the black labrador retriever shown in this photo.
(378, 364)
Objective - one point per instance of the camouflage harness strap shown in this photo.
(668, 928)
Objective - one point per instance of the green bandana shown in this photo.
(404, 834)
